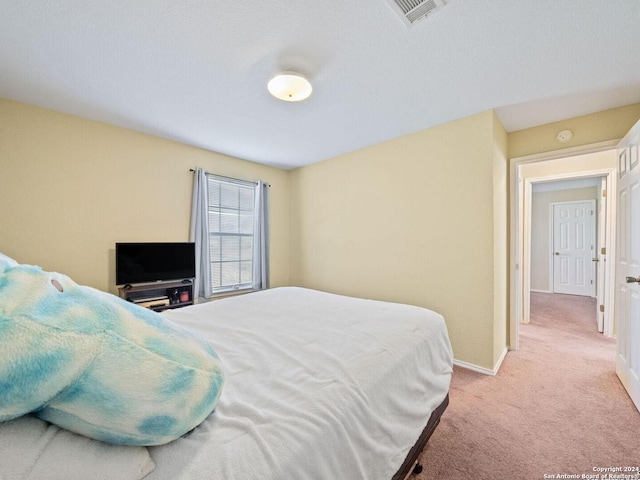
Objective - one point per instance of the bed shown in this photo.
(318, 386)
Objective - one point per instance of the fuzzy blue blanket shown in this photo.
(97, 365)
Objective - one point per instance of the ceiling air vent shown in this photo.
(412, 11)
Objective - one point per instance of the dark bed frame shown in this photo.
(410, 464)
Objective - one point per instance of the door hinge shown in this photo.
(602, 308)
(604, 193)
(603, 251)
(591, 282)
(591, 212)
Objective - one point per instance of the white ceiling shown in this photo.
(196, 71)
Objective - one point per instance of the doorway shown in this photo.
(576, 163)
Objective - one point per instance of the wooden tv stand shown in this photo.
(159, 296)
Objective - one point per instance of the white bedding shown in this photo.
(318, 386)
(32, 449)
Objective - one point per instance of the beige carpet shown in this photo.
(555, 407)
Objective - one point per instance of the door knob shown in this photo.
(633, 279)
(557, 253)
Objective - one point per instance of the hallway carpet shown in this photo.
(556, 406)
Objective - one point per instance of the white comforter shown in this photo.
(318, 386)
(32, 449)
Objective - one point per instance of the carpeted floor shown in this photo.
(556, 406)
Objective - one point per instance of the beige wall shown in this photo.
(500, 239)
(70, 188)
(412, 220)
(597, 127)
(421, 219)
(540, 230)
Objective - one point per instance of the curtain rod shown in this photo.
(228, 178)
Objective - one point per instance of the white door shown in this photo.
(573, 247)
(600, 253)
(628, 265)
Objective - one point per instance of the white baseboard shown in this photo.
(483, 370)
(540, 291)
(500, 360)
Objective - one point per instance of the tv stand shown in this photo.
(159, 296)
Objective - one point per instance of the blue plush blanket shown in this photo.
(97, 365)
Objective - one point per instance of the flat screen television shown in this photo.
(154, 262)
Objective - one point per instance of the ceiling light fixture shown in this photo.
(290, 87)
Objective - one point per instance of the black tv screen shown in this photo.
(154, 262)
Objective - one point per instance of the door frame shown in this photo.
(552, 240)
(603, 220)
(520, 228)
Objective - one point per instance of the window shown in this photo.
(231, 233)
(230, 227)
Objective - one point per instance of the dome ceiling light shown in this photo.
(290, 87)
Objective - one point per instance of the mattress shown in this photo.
(318, 386)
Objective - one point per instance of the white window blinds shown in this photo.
(231, 233)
